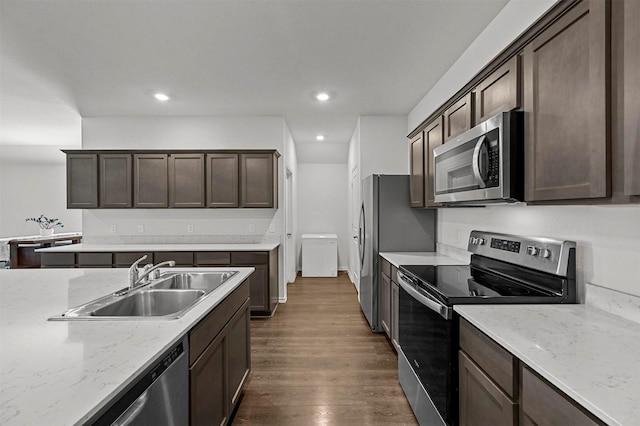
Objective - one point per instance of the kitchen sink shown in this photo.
(166, 297)
(150, 303)
(206, 281)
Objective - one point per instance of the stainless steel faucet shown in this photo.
(137, 275)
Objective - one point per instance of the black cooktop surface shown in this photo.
(466, 284)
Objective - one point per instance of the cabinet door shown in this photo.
(566, 70)
(151, 180)
(458, 117)
(259, 281)
(395, 304)
(542, 404)
(433, 137)
(257, 180)
(416, 178)
(222, 180)
(385, 303)
(115, 180)
(182, 258)
(82, 181)
(208, 394)
(239, 349)
(498, 92)
(186, 180)
(94, 260)
(482, 402)
(631, 98)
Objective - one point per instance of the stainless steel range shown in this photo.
(503, 269)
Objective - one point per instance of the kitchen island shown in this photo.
(63, 373)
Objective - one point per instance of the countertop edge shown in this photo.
(101, 248)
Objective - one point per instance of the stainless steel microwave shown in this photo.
(483, 165)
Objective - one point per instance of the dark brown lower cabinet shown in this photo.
(496, 388)
(395, 306)
(385, 303)
(542, 404)
(220, 360)
(482, 402)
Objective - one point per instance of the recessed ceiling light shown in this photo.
(320, 137)
(161, 97)
(323, 96)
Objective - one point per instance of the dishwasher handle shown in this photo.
(132, 412)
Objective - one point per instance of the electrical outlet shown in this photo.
(190, 227)
(272, 227)
(140, 228)
(252, 227)
(113, 229)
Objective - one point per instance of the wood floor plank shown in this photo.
(316, 362)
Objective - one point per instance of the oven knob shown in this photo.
(473, 240)
(481, 241)
(532, 250)
(545, 253)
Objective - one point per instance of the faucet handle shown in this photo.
(135, 264)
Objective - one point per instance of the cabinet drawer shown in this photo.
(385, 267)
(58, 260)
(182, 258)
(542, 404)
(213, 258)
(94, 259)
(498, 363)
(127, 258)
(209, 327)
(249, 258)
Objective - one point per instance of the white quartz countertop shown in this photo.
(420, 258)
(589, 354)
(62, 373)
(77, 248)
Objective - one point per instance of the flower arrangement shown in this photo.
(45, 223)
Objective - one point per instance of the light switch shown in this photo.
(140, 228)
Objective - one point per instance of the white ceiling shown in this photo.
(62, 59)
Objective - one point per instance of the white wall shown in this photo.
(608, 237)
(33, 182)
(323, 204)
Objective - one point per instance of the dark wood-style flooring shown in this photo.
(316, 362)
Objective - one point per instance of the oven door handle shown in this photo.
(443, 310)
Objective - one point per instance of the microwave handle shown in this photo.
(480, 154)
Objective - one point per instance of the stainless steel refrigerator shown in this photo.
(388, 224)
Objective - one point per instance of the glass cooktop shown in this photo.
(466, 284)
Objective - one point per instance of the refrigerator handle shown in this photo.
(362, 236)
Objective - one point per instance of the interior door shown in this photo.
(289, 241)
(354, 247)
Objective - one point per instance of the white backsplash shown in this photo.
(181, 239)
(607, 237)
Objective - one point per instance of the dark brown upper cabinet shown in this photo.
(498, 92)
(186, 180)
(631, 98)
(82, 181)
(433, 137)
(115, 180)
(257, 180)
(566, 102)
(222, 180)
(172, 179)
(416, 174)
(458, 117)
(151, 180)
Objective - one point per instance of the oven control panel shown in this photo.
(543, 254)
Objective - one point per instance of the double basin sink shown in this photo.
(166, 297)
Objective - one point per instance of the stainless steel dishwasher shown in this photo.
(160, 396)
